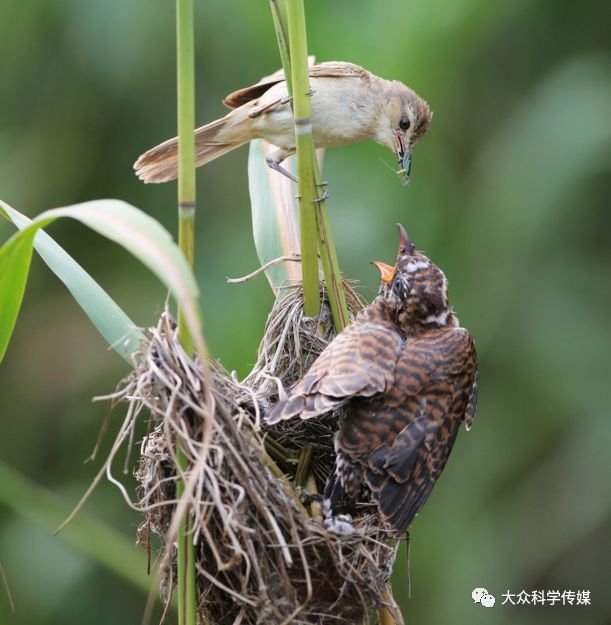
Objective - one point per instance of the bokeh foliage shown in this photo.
(509, 195)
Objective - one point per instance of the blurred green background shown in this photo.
(509, 195)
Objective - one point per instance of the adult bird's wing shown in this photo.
(337, 69)
(360, 361)
(437, 377)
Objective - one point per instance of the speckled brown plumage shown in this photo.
(407, 373)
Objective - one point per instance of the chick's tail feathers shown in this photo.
(160, 164)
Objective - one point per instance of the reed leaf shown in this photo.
(114, 325)
(118, 221)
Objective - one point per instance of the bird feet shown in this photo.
(324, 195)
(340, 524)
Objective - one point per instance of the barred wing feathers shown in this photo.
(403, 440)
(360, 361)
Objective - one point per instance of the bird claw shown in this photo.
(324, 195)
(321, 198)
(341, 524)
(337, 524)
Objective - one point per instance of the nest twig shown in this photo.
(260, 557)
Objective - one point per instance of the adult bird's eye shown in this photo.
(404, 123)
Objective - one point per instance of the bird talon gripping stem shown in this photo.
(321, 198)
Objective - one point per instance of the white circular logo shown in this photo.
(481, 595)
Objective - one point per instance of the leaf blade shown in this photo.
(120, 332)
(139, 234)
(274, 215)
(15, 260)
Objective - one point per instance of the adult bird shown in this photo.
(349, 104)
(407, 374)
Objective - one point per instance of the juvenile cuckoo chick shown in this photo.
(407, 374)
(349, 104)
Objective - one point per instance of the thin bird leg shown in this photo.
(273, 161)
(275, 158)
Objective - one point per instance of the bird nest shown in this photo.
(262, 553)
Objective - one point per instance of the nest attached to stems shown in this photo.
(261, 557)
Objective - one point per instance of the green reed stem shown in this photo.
(330, 264)
(280, 21)
(187, 593)
(302, 111)
(314, 222)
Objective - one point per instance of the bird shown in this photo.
(349, 104)
(405, 373)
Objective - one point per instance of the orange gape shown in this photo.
(407, 374)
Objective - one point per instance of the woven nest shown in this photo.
(262, 552)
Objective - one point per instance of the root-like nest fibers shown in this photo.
(263, 555)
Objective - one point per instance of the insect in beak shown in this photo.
(404, 158)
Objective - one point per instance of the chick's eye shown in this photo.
(404, 123)
(400, 287)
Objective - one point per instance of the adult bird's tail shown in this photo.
(160, 164)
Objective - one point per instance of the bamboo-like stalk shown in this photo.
(330, 264)
(390, 616)
(186, 142)
(303, 466)
(295, 59)
(302, 111)
(280, 20)
(185, 552)
(315, 508)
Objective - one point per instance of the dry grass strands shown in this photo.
(261, 558)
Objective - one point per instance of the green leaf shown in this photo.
(134, 230)
(114, 325)
(15, 259)
(275, 222)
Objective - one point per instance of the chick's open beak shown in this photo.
(386, 271)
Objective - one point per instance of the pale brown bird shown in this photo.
(349, 104)
(407, 374)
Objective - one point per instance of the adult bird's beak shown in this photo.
(404, 158)
(405, 245)
(406, 166)
(386, 271)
